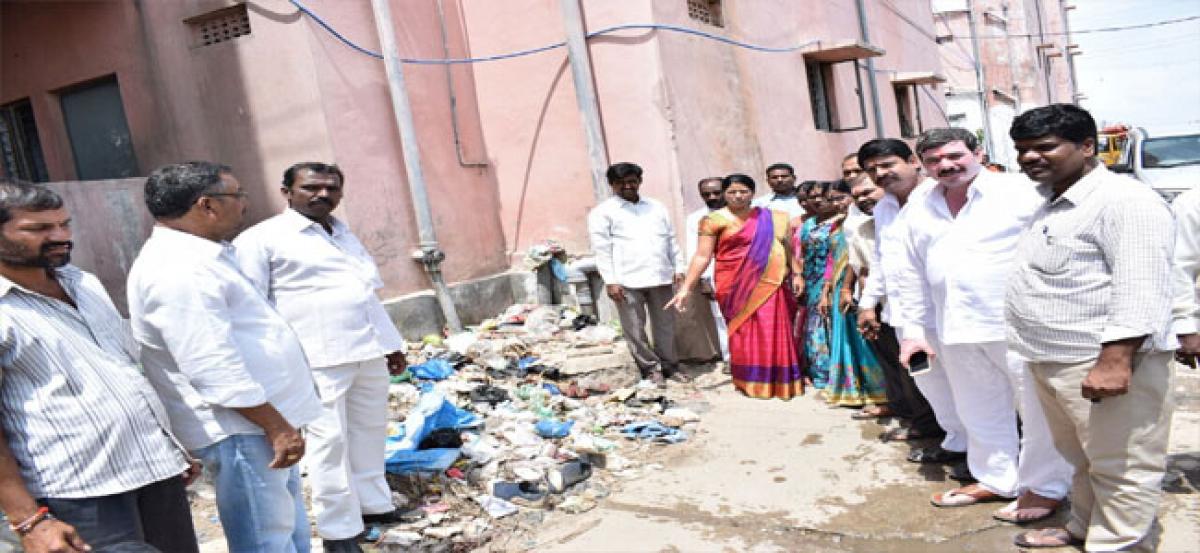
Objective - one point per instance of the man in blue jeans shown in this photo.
(86, 455)
(230, 370)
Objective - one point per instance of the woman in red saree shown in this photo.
(750, 249)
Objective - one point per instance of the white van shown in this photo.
(1169, 163)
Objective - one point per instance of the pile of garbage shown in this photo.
(535, 414)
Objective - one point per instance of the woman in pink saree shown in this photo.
(749, 245)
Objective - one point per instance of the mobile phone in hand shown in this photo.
(918, 363)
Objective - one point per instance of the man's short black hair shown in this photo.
(18, 194)
(881, 147)
(737, 178)
(619, 171)
(936, 138)
(708, 179)
(1066, 121)
(806, 186)
(172, 189)
(289, 176)
(785, 166)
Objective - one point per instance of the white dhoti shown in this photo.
(934, 384)
(345, 449)
(981, 383)
(1041, 469)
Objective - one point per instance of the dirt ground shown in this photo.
(798, 476)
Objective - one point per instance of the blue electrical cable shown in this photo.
(497, 57)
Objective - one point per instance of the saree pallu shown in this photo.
(855, 375)
(751, 266)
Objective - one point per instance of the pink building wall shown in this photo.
(287, 92)
(505, 162)
(683, 107)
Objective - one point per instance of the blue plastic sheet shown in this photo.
(548, 428)
(433, 369)
(559, 269)
(431, 412)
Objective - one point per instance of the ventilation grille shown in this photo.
(219, 26)
(706, 11)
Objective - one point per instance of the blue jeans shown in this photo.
(261, 509)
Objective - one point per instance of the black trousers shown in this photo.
(904, 399)
(155, 517)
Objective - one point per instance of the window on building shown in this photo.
(909, 125)
(219, 26)
(835, 86)
(22, 150)
(96, 127)
(908, 99)
(821, 93)
(706, 11)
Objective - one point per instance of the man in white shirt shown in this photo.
(639, 259)
(81, 430)
(322, 281)
(891, 165)
(962, 241)
(1186, 208)
(714, 199)
(851, 173)
(851, 169)
(1089, 305)
(782, 179)
(229, 369)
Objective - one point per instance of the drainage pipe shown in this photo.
(876, 109)
(430, 255)
(585, 95)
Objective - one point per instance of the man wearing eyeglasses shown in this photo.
(228, 368)
(319, 276)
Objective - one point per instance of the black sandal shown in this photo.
(934, 454)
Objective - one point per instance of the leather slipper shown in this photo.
(1046, 537)
(1023, 515)
(955, 498)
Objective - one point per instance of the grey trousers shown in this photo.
(640, 304)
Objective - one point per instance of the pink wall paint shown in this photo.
(682, 107)
(287, 92)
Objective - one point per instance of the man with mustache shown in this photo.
(228, 368)
(714, 199)
(639, 259)
(83, 433)
(322, 280)
(782, 179)
(962, 243)
(924, 400)
(1089, 305)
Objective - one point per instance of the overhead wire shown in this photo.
(655, 27)
(530, 51)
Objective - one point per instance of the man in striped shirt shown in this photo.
(86, 458)
(1089, 306)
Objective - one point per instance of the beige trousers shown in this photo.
(1117, 446)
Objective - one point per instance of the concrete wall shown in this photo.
(286, 92)
(109, 223)
(683, 107)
